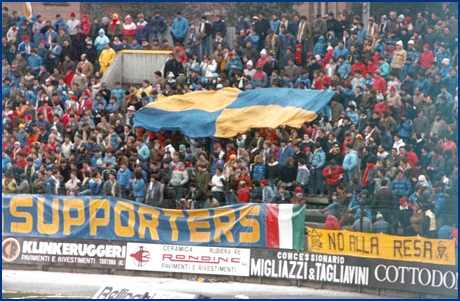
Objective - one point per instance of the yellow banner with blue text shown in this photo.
(382, 246)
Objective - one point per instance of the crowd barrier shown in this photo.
(410, 264)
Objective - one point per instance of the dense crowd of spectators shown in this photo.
(384, 152)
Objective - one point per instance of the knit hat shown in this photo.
(402, 201)
(181, 146)
(170, 74)
(115, 16)
(21, 126)
(25, 37)
(249, 63)
(233, 157)
(371, 19)
(410, 42)
(29, 117)
(426, 46)
(263, 52)
(42, 42)
(99, 161)
(377, 71)
(422, 179)
(379, 216)
(72, 15)
(331, 14)
(400, 43)
(128, 17)
(255, 17)
(264, 182)
(364, 191)
(440, 174)
(446, 61)
(408, 19)
(131, 108)
(317, 57)
(298, 189)
(380, 97)
(401, 17)
(392, 89)
(329, 48)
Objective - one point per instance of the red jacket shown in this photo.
(328, 56)
(380, 85)
(332, 223)
(333, 178)
(86, 26)
(380, 107)
(426, 58)
(243, 195)
(359, 66)
(411, 158)
(371, 68)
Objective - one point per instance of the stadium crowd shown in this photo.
(384, 152)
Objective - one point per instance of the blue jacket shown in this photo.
(22, 50)
(254, 39)
(283, 155)
(119, 94)
(135, 47)
(379, 47)
(100, 42)
(439, 202)
(451, 83)
(275, 25)
(124, 177)
(404, 128)
(236, 62)
(320, 48)
(304, 80)
(354, 117)
(444, 70)
(362, 34)
(35, 63)
(142, 31)
(401, 187)
(344, 69)
(60, 23)
(286, 41)
(114, 140)
(139, 188)
(350, 162)
(384, 70)
(93, 161)
(179, 27)
(143, 152)
(340, 51)
(53, 36)
(423, 85)
(158, 25)
(319, 159)
(95, 188)
(406, 69)
(258, 172)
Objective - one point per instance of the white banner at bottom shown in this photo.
(115, 292)
(187, 259)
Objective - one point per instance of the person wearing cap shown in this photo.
(106, 57)
(179, 28)
(129, 29)
(402, 216)
(72, 26)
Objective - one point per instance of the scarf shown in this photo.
(366, 173)
(112, 25)
(298, 57)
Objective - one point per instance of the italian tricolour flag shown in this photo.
(285, 226)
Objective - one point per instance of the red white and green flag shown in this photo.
(285, 226)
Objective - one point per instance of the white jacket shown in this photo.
(208, 69)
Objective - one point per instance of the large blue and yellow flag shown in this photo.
(227, 112)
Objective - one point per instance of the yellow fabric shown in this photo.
(381, 246)
(209, 101)
(241, 120)
(107, 56)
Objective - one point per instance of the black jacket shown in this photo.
(219, 26)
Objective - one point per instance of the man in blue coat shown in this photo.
(179, 28)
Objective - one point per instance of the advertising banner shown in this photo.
(382, 246)
(188, 259)
(309, 267)
(243, 225)
(414, 276)
(63, 252)
(129, 292)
